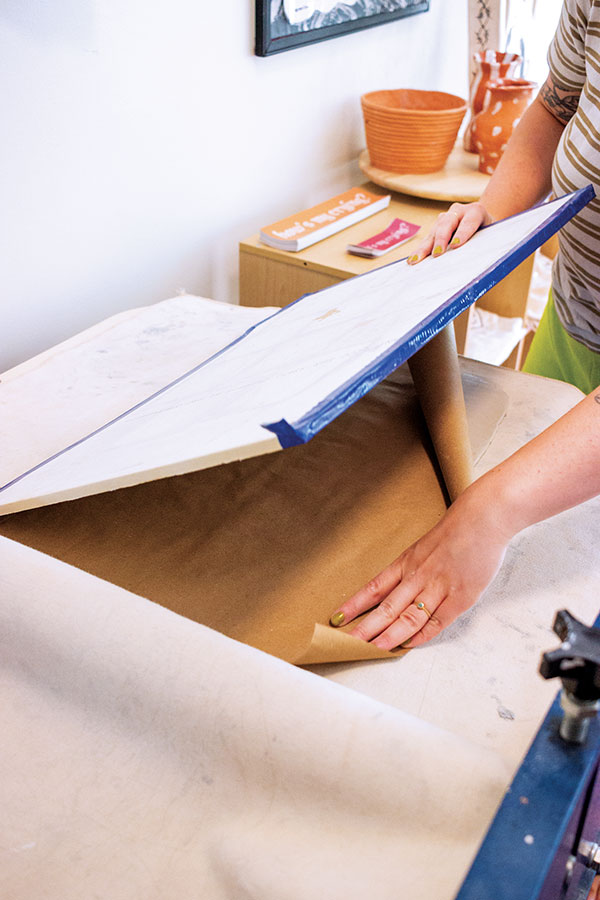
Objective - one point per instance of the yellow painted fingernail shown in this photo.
(413, 259)
(337, 619)
(437, 251)
(455, 242)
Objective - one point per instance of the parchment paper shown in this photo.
(264, 550)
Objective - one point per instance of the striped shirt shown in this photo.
(574, 60)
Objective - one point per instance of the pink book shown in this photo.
(395, 234)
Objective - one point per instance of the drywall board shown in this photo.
(69, 391)
(293, 372)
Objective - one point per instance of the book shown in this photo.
(319, 222)
(397, 232)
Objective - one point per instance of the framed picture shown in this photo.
(284, 24)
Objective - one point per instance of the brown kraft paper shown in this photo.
(264, 550)
(436, 377)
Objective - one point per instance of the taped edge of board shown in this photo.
(303, 429)
(290, 434)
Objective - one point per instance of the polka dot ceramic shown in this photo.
(507, 100)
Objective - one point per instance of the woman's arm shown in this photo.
(521, 179)
(448, 569)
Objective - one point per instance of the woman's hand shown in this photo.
(429, 585)
(452, 229)
(446, 571)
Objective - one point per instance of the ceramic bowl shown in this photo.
(411, 130)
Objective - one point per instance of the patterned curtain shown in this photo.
(520, 26)
(485, 17)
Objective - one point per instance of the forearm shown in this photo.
(554, 472)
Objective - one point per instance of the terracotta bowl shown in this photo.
(410, 130)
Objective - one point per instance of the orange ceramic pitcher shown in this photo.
(507, 100)
(489, 65)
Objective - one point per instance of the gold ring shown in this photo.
(420, 605)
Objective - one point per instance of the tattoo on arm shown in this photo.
(561, 104)
(597, 398)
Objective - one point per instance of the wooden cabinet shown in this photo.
(270, 277)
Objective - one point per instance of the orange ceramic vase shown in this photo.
(489, 65)
(507, 100)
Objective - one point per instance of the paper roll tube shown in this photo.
(436, 376)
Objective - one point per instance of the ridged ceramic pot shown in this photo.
(409, 130)
(490, 65)
(508, 98)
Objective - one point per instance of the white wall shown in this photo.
(142, 139)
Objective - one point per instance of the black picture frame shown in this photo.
(274, 33)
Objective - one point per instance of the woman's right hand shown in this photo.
(452, 229)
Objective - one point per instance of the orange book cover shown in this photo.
(318, 222)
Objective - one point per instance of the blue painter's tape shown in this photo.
(302, 430)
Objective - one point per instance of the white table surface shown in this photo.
(145, 755)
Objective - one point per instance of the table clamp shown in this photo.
(577, 663)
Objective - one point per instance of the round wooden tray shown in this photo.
(459, 181)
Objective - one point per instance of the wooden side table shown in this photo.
(270, 277)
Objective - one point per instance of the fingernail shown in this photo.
(437, 251)
(413, 259)
(337, 619)
(455, 242)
